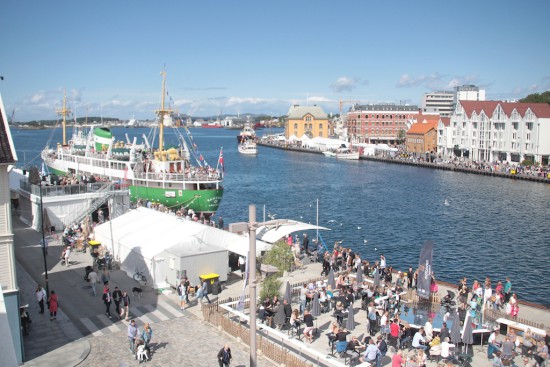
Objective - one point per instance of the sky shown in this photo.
(239, 57)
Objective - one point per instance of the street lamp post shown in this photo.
(43, 241)
(252, 280)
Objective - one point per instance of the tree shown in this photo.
(537, 98)
(279, 256)
(401, 136)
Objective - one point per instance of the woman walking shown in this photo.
(52, 305)
(147, 334)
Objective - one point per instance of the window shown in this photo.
(321, 127)
(295, 126)
(308, 118)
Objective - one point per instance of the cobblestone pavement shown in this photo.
(185, 341)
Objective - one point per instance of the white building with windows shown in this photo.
(497, 131)
(444, 102)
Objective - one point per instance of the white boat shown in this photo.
(347, 154)
(328, 153)
(248, 147)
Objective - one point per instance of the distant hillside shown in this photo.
(79, 120)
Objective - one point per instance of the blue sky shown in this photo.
(263, 56)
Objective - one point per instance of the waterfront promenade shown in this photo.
(184, 339)
(465, 166)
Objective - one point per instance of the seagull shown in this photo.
(332, 221)
(375, 249)
(341, 224)
(365, 241)
(446, 202)
(358, 227)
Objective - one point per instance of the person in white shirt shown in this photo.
(446, 348)
(429, 330)
(418, 340)
(487, 293)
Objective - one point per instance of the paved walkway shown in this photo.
(83, 335)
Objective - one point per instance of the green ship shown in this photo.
(157, 175)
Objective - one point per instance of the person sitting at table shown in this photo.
(446, 348)
(295, 320)
(371, 353)
(340, 282)
(542, 353)
(527, 346)
(332, 333)
(355, 347)
(350, 298)
(497, 360)
(342, 334)
(339, 312)
(308, 330)
(507, 348)
(444, 332)
(494, 345)
(418, 340)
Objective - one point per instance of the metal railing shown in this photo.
(60, 190)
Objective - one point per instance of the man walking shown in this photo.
(117, 297)
(40, 297)
(204, 291)
(93, 279)
(132, 335)
(67, 255)
(305, 244)
(107, 301)
(125, 305)
(182, 293)
(224, 356)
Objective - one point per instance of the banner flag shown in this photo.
(424, 278)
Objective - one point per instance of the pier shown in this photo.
(408, 162)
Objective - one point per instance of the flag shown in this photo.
(424, 279)
(201, 158)
(220, 160)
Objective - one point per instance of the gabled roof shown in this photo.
(477, 106)
(7, 150)
(446, 121)
(427, 118)
(298, 112)
(541, 110)
(422, 128)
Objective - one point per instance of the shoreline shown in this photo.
(445, 167)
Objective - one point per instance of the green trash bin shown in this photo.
(211, 279)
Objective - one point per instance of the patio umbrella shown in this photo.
(467, 332)
(331, 280)
(288, 295)
(350, 323)
(359, 276)
(377, 278)
(455, 329)
(316, 308)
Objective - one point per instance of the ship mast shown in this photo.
(162, 112)
(64, 112)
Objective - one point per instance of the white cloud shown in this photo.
(319, 99)
(435, 81)
(346, 84)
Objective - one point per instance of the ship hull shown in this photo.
(205, 201)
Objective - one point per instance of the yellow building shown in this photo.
(311, 121)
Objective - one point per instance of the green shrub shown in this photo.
(279, 256)
(270, 287)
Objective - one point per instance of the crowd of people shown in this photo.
(380, 294)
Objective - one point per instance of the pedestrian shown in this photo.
(107, 300)
(182, 293)
(93, 279)
(187, 286)
(242, 266)
(117, 297)
(132, 335)
(40, 297)
(224, 356)
(147, 334)
(53, 303)
(105, 276)
(220, 223)
(125, 306)
(25, 320)
(203, 292)
(305, 244)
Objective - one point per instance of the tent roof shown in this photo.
(150, 232)
(277, 229)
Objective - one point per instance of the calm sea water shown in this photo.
(492, 227)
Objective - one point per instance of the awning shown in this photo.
(274, 230)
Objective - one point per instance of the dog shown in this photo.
(137, 291)
(142, 354)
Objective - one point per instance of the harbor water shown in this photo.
(481, 226)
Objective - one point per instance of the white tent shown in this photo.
(293, 138)
(305, 138)
(277, 229)
(139, 236)
(326, 143)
